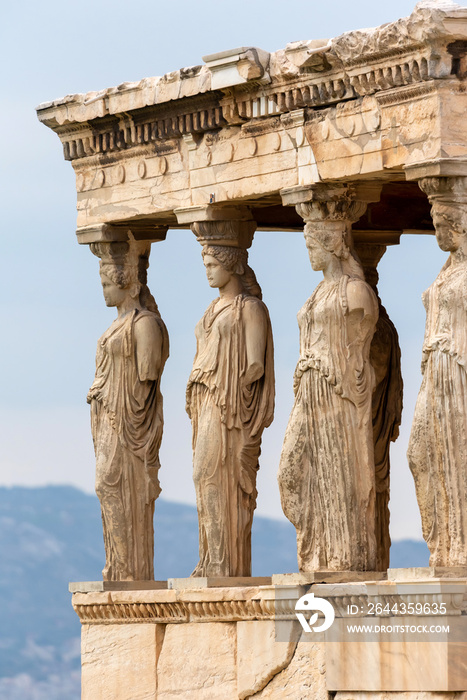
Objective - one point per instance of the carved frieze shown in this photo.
(211, 605)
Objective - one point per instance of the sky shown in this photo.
(52, 308)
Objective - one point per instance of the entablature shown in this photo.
(372, 104)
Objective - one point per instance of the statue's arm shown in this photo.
(148, 344)
(256, 330)
(360, 319)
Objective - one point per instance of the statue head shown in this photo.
(331, 242)
(123, 271)
(450, 222)
(230, 261)
(115, 292)
(119, 282)
(448, 199)
(218, 275)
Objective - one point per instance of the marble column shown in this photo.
(125, 399)
(230, 392)
(437, 451)
(327, 470)
(385, 358)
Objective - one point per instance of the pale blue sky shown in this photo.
(52, 308)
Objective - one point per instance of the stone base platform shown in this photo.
(239, 642)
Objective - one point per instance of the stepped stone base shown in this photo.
(245, 642)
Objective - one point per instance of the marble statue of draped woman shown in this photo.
(438, 443)
(326, 472)
(230, 400)
(127, 423)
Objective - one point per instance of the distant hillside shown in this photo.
(50, 536)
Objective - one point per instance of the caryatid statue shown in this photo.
(327, 472)
(230, 399)
(385, 358)
(437, 451)
(126, 411)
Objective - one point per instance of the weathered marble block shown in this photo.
(396, 647)
(119, 661)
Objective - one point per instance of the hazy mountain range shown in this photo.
(50, 536)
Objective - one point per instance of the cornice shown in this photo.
(269, 602)
(397, 62)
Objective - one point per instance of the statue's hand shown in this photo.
(424, 361)
(93, 394)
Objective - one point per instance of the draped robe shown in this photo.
(326, 472)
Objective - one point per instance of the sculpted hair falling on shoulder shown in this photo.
(146, 299)
(235, 260)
